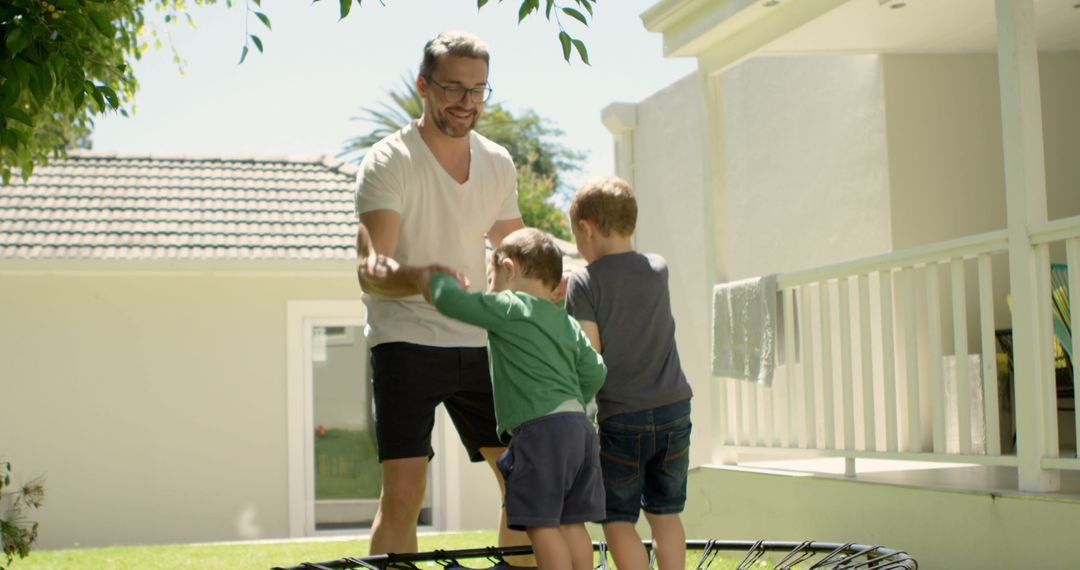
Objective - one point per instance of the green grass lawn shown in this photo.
(252, 556)
(346, 466)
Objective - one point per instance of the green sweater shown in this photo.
(540, 357)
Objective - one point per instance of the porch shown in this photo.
(869, 370)
(874, 430)
(902, 167)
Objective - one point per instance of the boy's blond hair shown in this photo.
(535, 252)
(608, 202)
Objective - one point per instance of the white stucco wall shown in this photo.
(667, 172)
(154, 404)
(946, 171)
(946, 174)
(1059, 74)
(806, 172)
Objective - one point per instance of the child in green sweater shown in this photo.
(543, 373)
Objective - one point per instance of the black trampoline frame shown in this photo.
(834, 556)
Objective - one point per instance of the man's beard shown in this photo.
(442, 122)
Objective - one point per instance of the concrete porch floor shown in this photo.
(957, 476)
(953, 516)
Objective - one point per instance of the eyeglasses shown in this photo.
(456, 93)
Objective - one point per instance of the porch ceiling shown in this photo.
(734, 29)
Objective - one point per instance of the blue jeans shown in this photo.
(644, 456)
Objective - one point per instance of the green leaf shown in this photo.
(346, 5)
(526, 8)
(103, 23)
(564, 38)
(8, 95)
(582, 52)
(547, 11)
(258, 3)
(21, 116)
(480, 3)
(110, 96)
(264, 19)
(243, 55)
(36, 89)
(575, 15)
(587, 5)
(258, 42)
(99, 97)
(16, 41)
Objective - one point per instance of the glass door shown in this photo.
(346, 467)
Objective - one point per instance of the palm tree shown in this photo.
(529, 138)
(404, 106)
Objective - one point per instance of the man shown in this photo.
(428, 194)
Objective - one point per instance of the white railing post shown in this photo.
(809, 435)
(1025, 199)
(790, 366)
(847, 390)
(828, 381)
(911, 412)
(866, 359)
(936, 358)
(888, 361)
(991, 408)
(960, 351)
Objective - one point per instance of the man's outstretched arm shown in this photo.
(378, 273)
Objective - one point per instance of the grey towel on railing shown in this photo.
(744, 329)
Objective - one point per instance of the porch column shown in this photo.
(621, 121)
(1025, 199)
(724, 426)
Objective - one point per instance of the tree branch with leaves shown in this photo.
(65, 62)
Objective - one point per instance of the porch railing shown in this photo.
(897, 357)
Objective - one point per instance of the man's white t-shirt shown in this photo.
(442, 221)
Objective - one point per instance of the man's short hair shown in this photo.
(455, 43)
(608, 202)
(535, 252)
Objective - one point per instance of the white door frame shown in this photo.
(301, 319)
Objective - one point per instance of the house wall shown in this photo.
(946, 171)
(1059, 74)
(155, 404)
(667, 172)
(946, 174)
(806, 164)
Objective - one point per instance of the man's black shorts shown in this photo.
(409, 381)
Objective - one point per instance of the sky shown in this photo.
(298, 97)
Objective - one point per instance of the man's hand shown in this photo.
(559, 295)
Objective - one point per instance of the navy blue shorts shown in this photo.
(645, 456)
(410, 380)
(552, 473)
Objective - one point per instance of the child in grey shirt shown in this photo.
(622, 302)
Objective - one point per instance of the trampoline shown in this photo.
(777, 555)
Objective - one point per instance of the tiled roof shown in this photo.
(98, 206)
